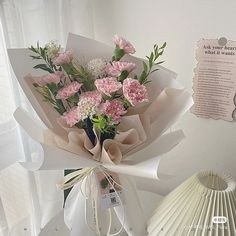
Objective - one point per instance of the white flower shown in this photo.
(86, 108)
(97, 67)
(53, 49)
(88, 104)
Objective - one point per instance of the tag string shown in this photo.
(89, 190)
(123, 209)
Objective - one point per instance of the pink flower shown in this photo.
(134, 92)
(68, 91)
(116, 68)
(113, 108)
(72, 116)
(123, 44)
(63, 58)
(50, 78)
(107, 85)
(88, 104)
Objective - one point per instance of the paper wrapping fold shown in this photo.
(54, 158)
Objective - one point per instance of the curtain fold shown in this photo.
(28, 200)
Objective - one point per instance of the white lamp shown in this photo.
(205, 204)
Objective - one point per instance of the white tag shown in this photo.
(109, 188)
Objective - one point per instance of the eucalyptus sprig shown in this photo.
(49, 97)
(41, 54)
(152, 61)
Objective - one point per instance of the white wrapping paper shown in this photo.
(141, 129)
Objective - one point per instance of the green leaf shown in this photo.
(147, 81)
(151, 57)
(42, 52)
(151, 60)
(118, 53)
(145, 66)
(36, 57)
(163, 46)
(61, 109)
(43, 67)
(154, 70)
(142, 77)
(73, 99)
(160, 53)
(33, 49)
(160, 62)
(53, 88)
(127, 104)
(156, 49)
(106, 97)
(123, 76)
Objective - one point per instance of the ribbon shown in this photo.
(89, 190)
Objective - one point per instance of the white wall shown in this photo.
(209, 144)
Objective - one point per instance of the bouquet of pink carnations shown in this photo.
(93, 96)
(105, 112)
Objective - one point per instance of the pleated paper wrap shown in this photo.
(205, 204)
(69, 148)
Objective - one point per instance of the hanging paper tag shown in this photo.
(214, 82)
(109, 188)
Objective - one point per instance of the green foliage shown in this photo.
(81, 75)
(41, 54)
(53, 88)
(106, 97)
(44, 67)
(45, 92)
(73, 100)
(103, 124)
(152, 61)
(127, 104)
(123, 76)
(118, 54)
(49, 92)
(60, 107)
(87, 79)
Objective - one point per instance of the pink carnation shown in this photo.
(72, 116)
(117, 67)
(88, 104)
(134, 92)
(123, 44)
(63, 58)
(107, 85)
(68, 91)
(50, 78)
(113, 108)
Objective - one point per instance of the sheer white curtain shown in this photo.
(29, 200)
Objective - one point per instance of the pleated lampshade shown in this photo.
(205, 204)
